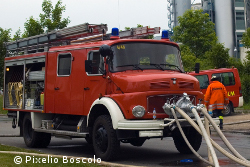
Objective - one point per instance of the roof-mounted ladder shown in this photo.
(72, 35)
(42, 42)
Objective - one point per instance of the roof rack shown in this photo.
(43, 42)
(133, 33)
(82, 33)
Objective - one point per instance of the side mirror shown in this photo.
(197, 67)
(88, 66)
(105, 50)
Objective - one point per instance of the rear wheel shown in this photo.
(105, 142)
(228, 110)
(193, 137)
(32, 138)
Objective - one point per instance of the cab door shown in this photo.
(62, 86)
(95, 82)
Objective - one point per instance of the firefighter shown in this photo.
(216, 96)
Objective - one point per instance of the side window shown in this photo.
(203, 80)
(64, 64)
(218, 75)
(97, 62)
(228, 78)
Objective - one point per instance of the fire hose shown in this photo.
(184, 108)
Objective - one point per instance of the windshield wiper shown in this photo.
(133, 65)
(157, 66)
(166, 64)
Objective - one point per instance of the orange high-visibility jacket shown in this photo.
(216, 95)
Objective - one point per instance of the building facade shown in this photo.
(176, 8)
(230, 18)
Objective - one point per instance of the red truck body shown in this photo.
(84, 90)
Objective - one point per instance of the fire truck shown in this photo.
(107, 88)
(230, 78)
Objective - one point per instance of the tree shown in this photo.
(218, 56)
(245, 76)
(4, 37)
(32, 27)
(246, 38)
(17, 35)
(196, 31)
(52, 19)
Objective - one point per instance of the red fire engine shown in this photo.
(82, 82)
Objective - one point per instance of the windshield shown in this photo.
(141, 56)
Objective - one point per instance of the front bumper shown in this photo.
(153, 128)
(240, 101)
(147, 128)
(140, 124)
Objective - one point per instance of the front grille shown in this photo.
(160, 85)
(156, 102)
(184, 84)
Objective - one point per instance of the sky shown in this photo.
(114, 13)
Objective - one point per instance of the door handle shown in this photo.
(87, 88)
(56, 88)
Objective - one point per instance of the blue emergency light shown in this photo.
(115, 32)
(164, 34)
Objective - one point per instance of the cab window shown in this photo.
(97, 62)
(64, 64)
(203, 80)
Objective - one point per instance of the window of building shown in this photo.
(97, 62)
(240, 24)
(239, 18)
(239, 3)
(64, 64)
(239, 13)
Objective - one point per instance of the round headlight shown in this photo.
(138, 111)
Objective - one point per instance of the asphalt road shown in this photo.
(154, 152)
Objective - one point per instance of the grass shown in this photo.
(246, 106)
(7, 160)
(1, 106)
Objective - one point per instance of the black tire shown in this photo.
(89, 140)
(137, 141)
(193, 137)
(105, 142)
(31, 138)
(229, 109)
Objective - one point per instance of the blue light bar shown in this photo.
(115, 32)
(164, 34)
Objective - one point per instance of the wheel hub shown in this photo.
(101, 139)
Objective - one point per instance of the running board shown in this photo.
(61, 132)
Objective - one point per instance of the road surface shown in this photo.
(154, 152)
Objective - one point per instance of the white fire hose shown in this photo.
(184, 104)
(186, 140)
(219, 148)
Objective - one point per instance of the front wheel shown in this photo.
(193, 137)
(105, 142)
(32, 138)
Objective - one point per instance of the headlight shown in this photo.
(138, 111)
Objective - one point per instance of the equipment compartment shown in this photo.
(24, 84)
